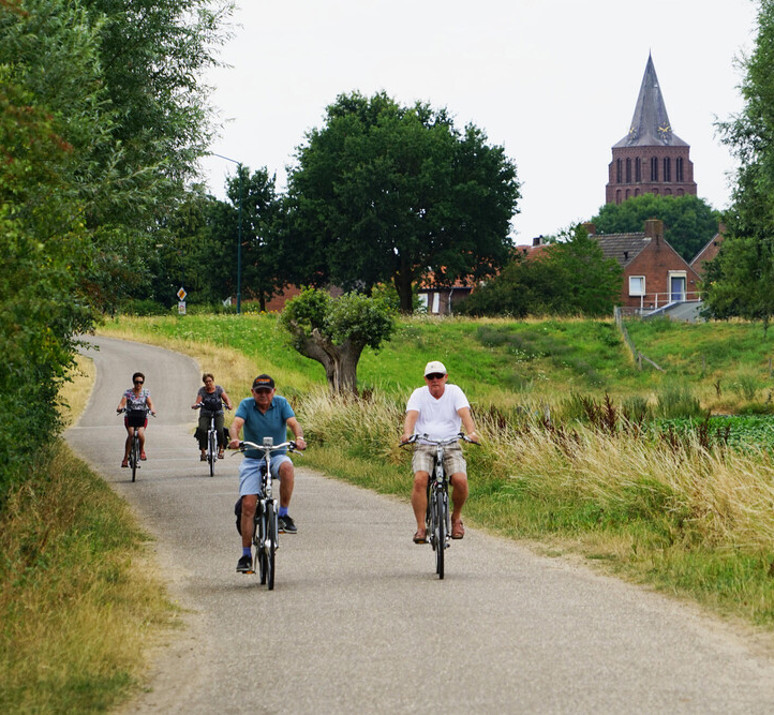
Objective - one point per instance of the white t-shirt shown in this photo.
(437, 418)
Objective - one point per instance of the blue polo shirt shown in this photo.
(272, 423)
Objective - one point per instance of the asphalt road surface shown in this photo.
(359, 623)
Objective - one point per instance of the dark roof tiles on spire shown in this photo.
(650, 124)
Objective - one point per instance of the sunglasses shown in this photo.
(139, 382)
(435, 376)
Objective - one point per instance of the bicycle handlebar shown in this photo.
(200, 406)
(145, 410)
(442, 442)
(291, 445)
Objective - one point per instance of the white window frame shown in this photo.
(640, 292)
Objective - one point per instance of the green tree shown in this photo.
(101, 120)
(689, 222)
(738, 281)
(570, 276)
(45, 249)
(263, 260)
(387, 193)
(335, 332)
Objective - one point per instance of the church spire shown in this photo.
(650, 124)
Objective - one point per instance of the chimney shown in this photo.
(538, 240)
(591, 229)
(654, 228)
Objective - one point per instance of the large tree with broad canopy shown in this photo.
(389, 193)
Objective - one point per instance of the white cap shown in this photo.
(434, 366)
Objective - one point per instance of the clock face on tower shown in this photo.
(664, 132)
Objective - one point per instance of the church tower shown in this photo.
(650, 159)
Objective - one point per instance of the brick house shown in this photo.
(655, 274)
(708, 252)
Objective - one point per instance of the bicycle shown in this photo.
(438, 517)
(265, 522)
(212, 441)
(134, 449)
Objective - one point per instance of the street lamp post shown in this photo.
(239, 239)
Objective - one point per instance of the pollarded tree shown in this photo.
(387, 193)
(335, 332)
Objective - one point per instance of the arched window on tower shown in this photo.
(679, 169)
(628, 171)
(654, 168)
(638, 170)
(667, 169)
(618, 196)
(618, 171)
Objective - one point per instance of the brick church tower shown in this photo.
(650, 159)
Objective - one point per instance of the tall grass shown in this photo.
(79, 599)
(697, 521)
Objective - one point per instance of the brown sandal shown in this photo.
(420, 537)
(458, 530)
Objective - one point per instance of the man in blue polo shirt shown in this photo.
(265, 414)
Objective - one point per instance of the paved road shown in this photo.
(359, 623)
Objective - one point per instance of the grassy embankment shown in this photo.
(674, 505)
(80, 601)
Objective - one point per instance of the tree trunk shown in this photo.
(403, 285)
(339, 361)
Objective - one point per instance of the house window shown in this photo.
(677, 285)
(636, 285)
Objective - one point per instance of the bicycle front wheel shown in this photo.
(439, 533)
(271, 542)
(212, 453)
(134, 455)
(259, 539)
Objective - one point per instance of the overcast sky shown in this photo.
(554, 82)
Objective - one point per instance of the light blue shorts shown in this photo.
(249, 473)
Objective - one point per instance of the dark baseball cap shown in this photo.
(263, 382)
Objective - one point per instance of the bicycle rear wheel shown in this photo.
(134, 455)
(271, 542)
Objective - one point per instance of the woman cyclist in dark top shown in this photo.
(211, 398)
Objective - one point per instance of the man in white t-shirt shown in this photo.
(436, 411)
